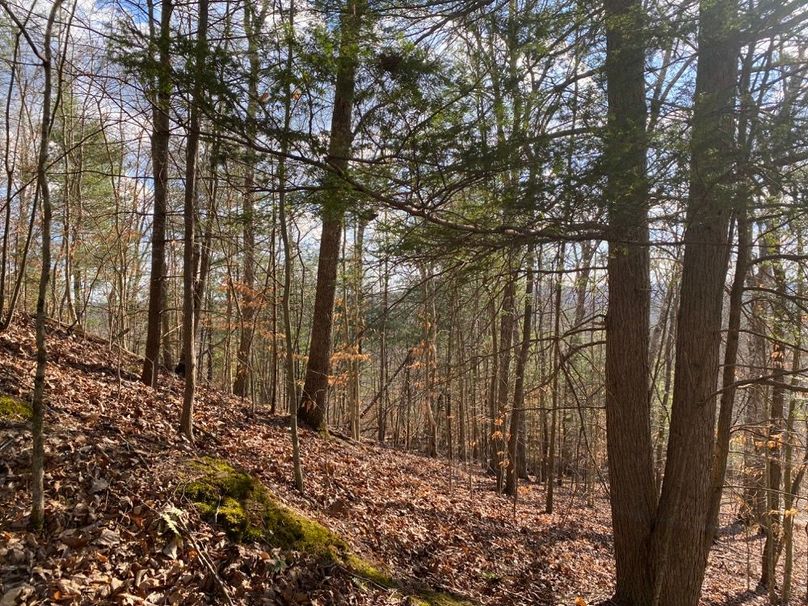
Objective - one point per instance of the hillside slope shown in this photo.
(122, 527)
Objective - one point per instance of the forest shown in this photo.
(429, 302)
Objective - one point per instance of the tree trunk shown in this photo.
(551, 439)
(429, 352)
(628, 416)
(719, 463)
(518, 413)
(253, 21)
(38, 400)
(189, 215)
(507, 320)
(159, 156)
(776, 425)
(492, 390)
(315, 388)
(381, 412)
(9, 163)
(680, 550)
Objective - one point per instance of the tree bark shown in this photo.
(314, 399)
(189, 212)
(628, 415)
(719, 463)
(518, 414)
(680, 549)
(557, 361)
(507, 320)
(159, 155)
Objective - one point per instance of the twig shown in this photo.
(203, 556)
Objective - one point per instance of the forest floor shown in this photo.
(116, 473)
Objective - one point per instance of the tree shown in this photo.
(189, 213)
(45, 57)
(681, 520)
(650, 547)
(628, 420)
(160, 99)
(253, 22)
(335, 197)
(516, 436)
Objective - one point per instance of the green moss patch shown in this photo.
(247, 511)
(13, 408)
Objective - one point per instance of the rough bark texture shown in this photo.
(628, 416)
(679, 536)
(315, 389)
(721, 454)
(490, 458)
(159, 156)
(507, 321)
(557, 361)
(776, 426)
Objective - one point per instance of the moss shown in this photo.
(13, 408)
(365, 570)
(247, 511)
(434, 598)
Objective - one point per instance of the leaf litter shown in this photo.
(120, 531)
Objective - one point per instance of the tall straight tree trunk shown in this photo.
(680, 551)
(289, 357)
(314, 399)
(189, 212)
(159, 157)
(381, 414)
(719, 463)
(628, 414)
(166, 321)
(790, 481)
(754, 494)
(430, 360)
(727, 402)
(205, 248)
(518, 414)
(553, 431)
(10, 166)
(357, 329)
(507, 320)
(490, 442)
(776, 424)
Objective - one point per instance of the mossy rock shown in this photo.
(247, 511)
(12, 408)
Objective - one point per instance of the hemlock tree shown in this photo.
(662, 554)
(160, 99)
(335, 196)
(628, 413)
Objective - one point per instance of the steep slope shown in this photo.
(136, 515)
